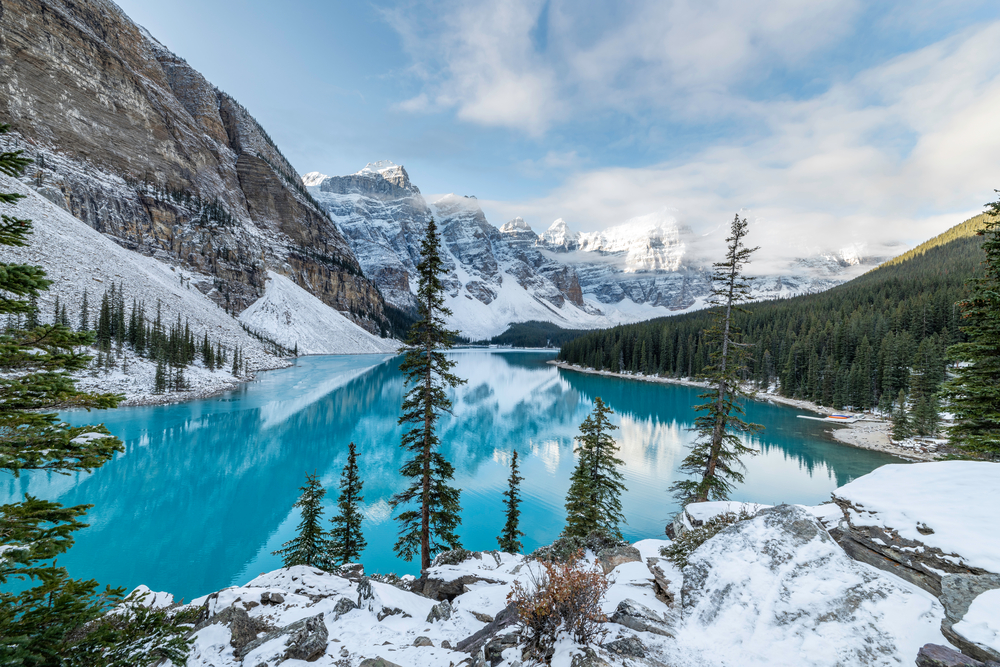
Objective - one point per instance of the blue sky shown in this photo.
(830, 122)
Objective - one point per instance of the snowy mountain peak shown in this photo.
(313, 178)
(560, 237)
(378, 167)
(515, 226)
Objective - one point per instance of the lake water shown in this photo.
(204, 491)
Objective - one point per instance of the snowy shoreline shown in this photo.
(867, 433)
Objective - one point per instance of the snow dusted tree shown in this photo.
(84, 313)
(346, 540)
(593, 502)
(902, 427)
(715, 456)
(46, 618)
(311, 545)
(509, 539)
(430, 526)
(974, 392)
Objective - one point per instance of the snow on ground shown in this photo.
(292, 316)
(981, 624)
(944, 504)
(77, 258)
(777, 590)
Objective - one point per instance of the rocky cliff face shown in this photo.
(133, 141)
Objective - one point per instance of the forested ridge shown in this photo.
(858, 344)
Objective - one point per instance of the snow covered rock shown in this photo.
(641, 618)
(777, 590)
(934, 655)
(611, 558)
(919, 522)
(980, 625)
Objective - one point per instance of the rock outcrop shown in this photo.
(895, 521)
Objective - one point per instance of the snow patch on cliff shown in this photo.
(293, 317)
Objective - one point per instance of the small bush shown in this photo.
(682, 547)
(562, 598)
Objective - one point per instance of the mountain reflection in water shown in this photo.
(204, 491)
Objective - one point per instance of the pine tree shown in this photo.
(593, 502)
(160, 380)
(901, 426)
(430, 527)
(716, 455)
(310, 546)
(346, 540)
(44, 614)
(84, 313)
(974, 392)
(509, 539)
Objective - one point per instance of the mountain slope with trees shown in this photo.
(853, 345)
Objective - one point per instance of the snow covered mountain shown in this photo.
(638, 270)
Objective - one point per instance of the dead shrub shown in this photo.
(560, 597)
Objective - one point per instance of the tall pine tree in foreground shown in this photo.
(346, 539)
(593, 502)
(715, 456)
(53, 619)
(509, 538)
(974, 392)
(430, 526)
(310, 546)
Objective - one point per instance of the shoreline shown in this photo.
(867, 433)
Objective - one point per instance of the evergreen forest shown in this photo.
(857, 345)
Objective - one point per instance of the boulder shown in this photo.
(754, 588)
(344, 606)
(933, 655)
(307, 640)
(588, 658)
(436, 586)
(661, 585)
(271, 598)
(641, 618)
(439, 612)
(242, 627)
(377, 662)
(611, 558)
(629, 647)
(494, 648)
(473, 643)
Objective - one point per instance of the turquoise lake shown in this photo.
(204, 491)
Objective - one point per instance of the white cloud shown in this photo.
(876, 160)
(484, 59)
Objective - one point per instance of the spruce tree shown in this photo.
(593, 502)
(310, 546)
(430, 526)
(715, 456)
(509, 539)
(346, 540)
(974, 392)
(901, 426)
(46, 618)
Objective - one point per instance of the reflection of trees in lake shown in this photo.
(794, 438)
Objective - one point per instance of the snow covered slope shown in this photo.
(78, 258)
(293, 317)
